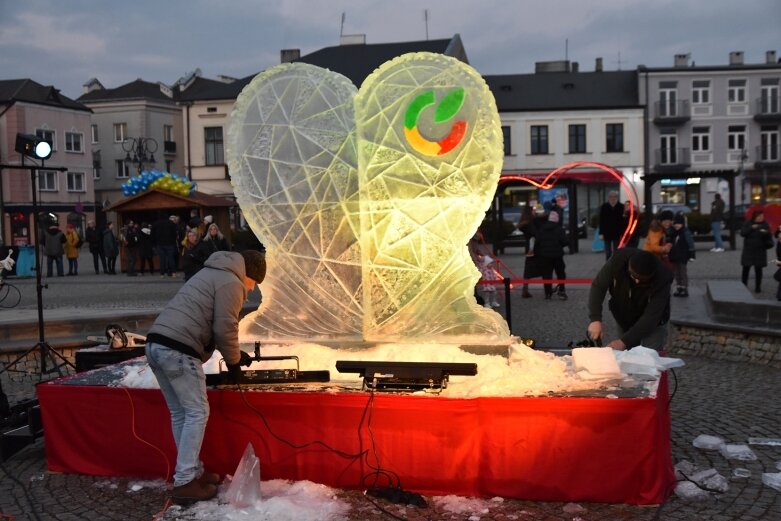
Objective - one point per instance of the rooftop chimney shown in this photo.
(575, 67)
(682, 60)
(736, 58)
(552, 66)
(288, 55)
(91, 85)
(770, 57)
(598, 65)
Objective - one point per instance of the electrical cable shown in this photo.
(675, 388)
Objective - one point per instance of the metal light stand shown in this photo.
(46, 351)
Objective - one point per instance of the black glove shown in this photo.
(245, 359)
(234, 374)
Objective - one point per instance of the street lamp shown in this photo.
(143, 149)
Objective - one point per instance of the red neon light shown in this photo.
(551, 178)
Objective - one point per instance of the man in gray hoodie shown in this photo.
(202, 316)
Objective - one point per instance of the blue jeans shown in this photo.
(715, 227)
(183, 384)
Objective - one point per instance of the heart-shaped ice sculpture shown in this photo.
(365, 200)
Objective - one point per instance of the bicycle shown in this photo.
(10, 296)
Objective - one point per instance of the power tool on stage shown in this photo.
(271, 376)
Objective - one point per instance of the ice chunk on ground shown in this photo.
(773, 442)
(573, 508)
(689, 490)
(738, 451)
(741, 473)
(707, 442)
(711, 480)
(684, 469)
(772, 480)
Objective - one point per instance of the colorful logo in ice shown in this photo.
(448, 107)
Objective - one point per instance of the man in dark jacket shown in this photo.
(95, 241)
(53, 247)
(164, 236)
(611, 223)
(202, 316)
(639, 286)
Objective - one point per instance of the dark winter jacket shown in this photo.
(164, 233)
(208, 246)
(550, 240)
(147, 248)
(53, 242)
(611, 221)
(683, 246)
(110, 246)
(94, 239)
(755, 243)
(132, 237)
(193, 260)
(637, 309)
(205, 312)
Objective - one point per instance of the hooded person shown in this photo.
(639, 286)
(202, 317)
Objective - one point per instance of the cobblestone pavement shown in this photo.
(731, 400)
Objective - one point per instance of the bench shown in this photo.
(731, 301)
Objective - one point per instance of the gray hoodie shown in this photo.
(205, 311)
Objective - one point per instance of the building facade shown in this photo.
(136, 114)
(64, 185)
(707, 123)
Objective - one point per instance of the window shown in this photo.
(47, 181)
(577, 139)
(614, 137)
(76, 182)
(736, 137)
(94, 132)
(668, 149)
(213, 141)
(667, 102)
(701, 91)
(506, 134)
(169, 165)
(48, 136)
(769, 96)
(73, 141)
(96, 164)
(768, 139)
(701, 139)
(120, 132)
(539, 137)
(123, 172)
(736, 91)
(168, 132)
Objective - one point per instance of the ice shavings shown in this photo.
(524, 372)
(772, 480)
(740, 452)
(644, 361)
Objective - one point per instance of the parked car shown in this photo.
(674, 208)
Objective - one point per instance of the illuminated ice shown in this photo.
(365, 200)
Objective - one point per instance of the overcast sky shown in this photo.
(65, 43)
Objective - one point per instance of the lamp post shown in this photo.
(742, 174)
(143, 149)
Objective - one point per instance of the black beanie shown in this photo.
(679, 219)
(666, 215)
(643, 265)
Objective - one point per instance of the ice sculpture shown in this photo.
(365, 200)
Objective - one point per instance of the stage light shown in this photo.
(33, 146)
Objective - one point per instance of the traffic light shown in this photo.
(33, 146)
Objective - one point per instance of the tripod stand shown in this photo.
(46, 351)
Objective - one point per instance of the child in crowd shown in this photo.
(681, 252)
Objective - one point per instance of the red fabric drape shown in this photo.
(551, 449)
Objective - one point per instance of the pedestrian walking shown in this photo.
(549, 246)
(110, 248)
(757, 239)
(53, 248)
(716, 217)
(611, 223)
(132, 239)
(72, 245)
(681, 252)
(164, 234)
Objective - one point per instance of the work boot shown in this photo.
(209, 478)
(192, 492)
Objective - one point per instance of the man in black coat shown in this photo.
(164, 236)
(611, 223)
(639, 286)
(95, 240)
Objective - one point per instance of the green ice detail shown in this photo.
(450, 105)
(415, 108)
